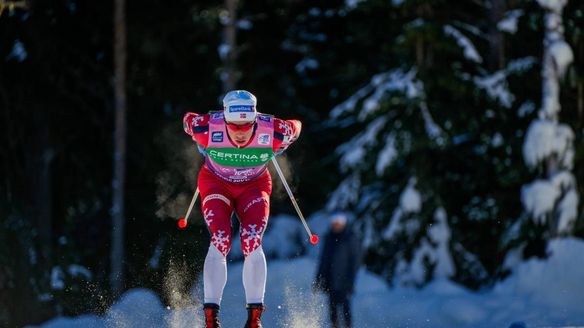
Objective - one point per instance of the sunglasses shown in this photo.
(240, 128)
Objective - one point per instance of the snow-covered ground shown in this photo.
(540, 294)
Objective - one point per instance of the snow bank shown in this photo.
(554, 283)
(136, 308)
(541, 293)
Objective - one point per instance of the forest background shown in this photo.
(445, 127)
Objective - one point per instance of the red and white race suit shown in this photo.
(222, 192)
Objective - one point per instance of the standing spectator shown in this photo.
(338, 267)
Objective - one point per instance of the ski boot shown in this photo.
(254, 314)
(211, 315)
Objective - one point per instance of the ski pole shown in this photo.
(313, 237)
(182, 222)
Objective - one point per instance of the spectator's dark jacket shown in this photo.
(339, 262)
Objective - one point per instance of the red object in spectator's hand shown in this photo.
(182, 223)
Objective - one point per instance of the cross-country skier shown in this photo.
(237, 144)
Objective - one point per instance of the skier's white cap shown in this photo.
(239, 106)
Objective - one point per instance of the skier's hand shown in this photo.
(188, 120)
(297, 128)
(285, 133)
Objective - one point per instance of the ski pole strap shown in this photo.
(285, 183)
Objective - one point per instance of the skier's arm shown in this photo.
(285, 133)
(197, 126)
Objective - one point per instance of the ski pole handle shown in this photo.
(313, 237)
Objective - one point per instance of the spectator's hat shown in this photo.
(339, 218)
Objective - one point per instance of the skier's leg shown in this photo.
(253, 208)
(215, 266)
(253, 213)
(217, 207)
(254, 283)
(254, 276)
(214, 275)
(217, 215)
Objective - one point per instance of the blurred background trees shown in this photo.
(415, 118)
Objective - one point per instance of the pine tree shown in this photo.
(551, 201)
(444, 119)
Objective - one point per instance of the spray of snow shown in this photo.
(304, 310)
(136, 308)
(184, 310)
